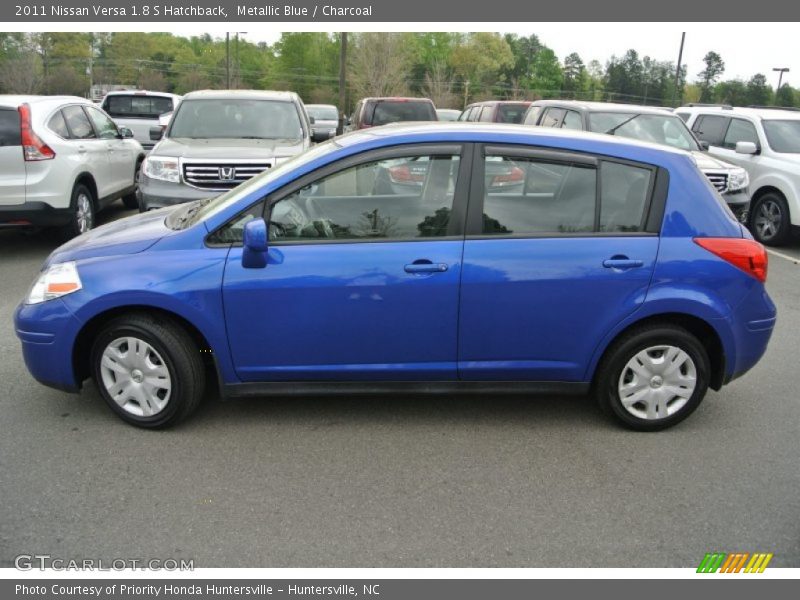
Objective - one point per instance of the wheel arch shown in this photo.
(87, 179)
(705, 333)
(81, 349)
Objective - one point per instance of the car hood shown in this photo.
(227, 149)
(705, 161)
(125, 236)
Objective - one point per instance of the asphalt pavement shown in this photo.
(400, 481)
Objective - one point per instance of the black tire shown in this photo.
(767, 208)
(180, 356)
(131, 200)
(84, 212)
(624, 349)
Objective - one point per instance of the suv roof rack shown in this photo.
(792, 108)
(725, 106)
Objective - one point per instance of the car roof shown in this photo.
(496, 102)
(140, 93)
(604, 107)
(762, 113)
(244, 94)
(16, 99)
(396, 99)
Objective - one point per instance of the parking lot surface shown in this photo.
(400, 481)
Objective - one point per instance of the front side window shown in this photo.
(740, 131)
(572, 120)
(78, 123)
(393, 199)
(711, 129)
(487, 114)
(553, 117)
(236, 118)
(783, 136)
(106, 128)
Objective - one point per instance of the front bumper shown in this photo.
(47, 332)
(153, 193)
(36, 214)
(739, 203)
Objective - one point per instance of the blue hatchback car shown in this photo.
(449, 258)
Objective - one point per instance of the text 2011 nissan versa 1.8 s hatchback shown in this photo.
(414, 258)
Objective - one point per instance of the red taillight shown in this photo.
(33, 148)
(515, 175)
(747, 255)
(404, 174)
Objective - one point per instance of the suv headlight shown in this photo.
(57, 280)
(737, 180)
(164, 168)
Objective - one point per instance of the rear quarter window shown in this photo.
(9, 127)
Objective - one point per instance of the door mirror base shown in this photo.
(255, 244)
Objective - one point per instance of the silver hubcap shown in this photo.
(83, 214)
(657, 382)
(768, 219)
(135, 376)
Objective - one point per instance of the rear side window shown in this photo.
(624, 191)
(740, 131)
(531, 196)
(511, 113)
(386, 112)
(711, 128)
(137, 106)
(532, 115)
(57, 125)
(487, 112)
(553, 117)
(9, 127)
(78, 123)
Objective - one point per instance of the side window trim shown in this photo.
(653, 212)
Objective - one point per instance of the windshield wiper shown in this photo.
(625, 122)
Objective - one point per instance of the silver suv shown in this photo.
(765, 142)
(61, 160)
(649, 124)
(216, 140)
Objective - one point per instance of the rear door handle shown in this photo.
(622, 263)
(425, 267)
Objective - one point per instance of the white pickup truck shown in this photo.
(139, 110)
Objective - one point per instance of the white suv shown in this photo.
(766, 142)
(61, 160)
(139, 111)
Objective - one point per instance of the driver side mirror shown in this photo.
(124, 132)
(156, 133)
(746, 148)
(321, 135)
(255, 244)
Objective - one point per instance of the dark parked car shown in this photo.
(496, 111)
(371, 112)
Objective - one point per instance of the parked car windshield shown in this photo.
(323, 113)
(404, 110)
(783, 136)
(137, 106)
(236, 118)
(669, 130)
(200, 210)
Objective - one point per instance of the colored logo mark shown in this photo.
(737, 562)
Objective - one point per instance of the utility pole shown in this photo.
(678, 71)
(237, 60)
(781, 70)
(342, 80)
(466, 92)
(228, 60)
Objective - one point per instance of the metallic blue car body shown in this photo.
(530, 309)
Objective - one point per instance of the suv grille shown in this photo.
(719, 181)
(221, 176)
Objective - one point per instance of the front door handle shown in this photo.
(425, 266)
(622, 262)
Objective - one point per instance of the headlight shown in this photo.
(58, 280)
(164, 168)
(737, 180)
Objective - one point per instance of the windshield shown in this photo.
(392, 111)
(323, 113)
(236, 118)
(668, 130)
(200, 210)
(783, 136)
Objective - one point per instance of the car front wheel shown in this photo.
(148, 370)
(653, 377)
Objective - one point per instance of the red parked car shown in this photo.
(371, 112)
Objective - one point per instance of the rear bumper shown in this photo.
(754, 320)
(37, 214)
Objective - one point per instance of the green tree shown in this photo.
(785, 96)
(480, 62)
(733, 92)
(758, 92)
(575, 76)
(715, 67)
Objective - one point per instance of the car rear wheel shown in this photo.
(83, 214)
(148, 370)
(653, 377)
(769, 219)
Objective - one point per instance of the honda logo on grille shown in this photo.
(227, 173)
